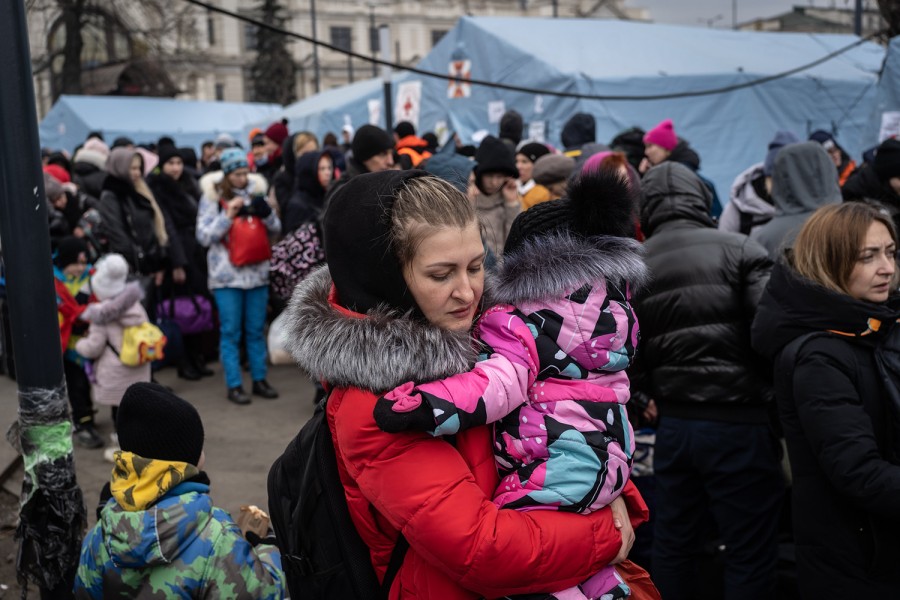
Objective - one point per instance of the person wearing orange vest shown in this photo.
(411, 148)
(842, 161)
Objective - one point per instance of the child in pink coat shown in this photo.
(119, 307)
(555, 347)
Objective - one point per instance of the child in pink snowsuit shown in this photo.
(551, 375)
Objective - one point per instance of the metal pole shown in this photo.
(555, 8)
(372, 37)
(734, 14)
(384, 44)
(49, 533)
(350, 68)
(312, 14)
(857, 18)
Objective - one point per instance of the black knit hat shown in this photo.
(533, 151)
(404, 128)
(68, 250)
(598, 203)
(493, 156)
(511, 126)
(166, 153)
(887, 160)
(369, 141)
(154, 423)
(356, 230)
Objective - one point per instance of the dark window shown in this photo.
(220, 91)
(437, 35)
(340, 38)
(250, 32)
(211, 31)
(374, 40)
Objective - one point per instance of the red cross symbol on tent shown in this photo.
(460, 75)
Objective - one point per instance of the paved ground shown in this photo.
(241, 441)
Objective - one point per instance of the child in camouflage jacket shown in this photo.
(159, 536)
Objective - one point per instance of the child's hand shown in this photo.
(622, 522)
(402, 410)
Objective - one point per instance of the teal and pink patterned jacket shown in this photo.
(551, 377)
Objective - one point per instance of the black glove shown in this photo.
(255, 540)
(259, 207)
(418, 419)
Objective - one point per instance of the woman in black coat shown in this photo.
(177, 194)
(828, 320)
(132, 223)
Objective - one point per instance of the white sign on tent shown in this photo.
(374, 112)
(460, 74)
(890, 126)
(496, 110)
(409, 101)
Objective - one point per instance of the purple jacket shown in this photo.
(552, 374)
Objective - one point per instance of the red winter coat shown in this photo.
(439, 495)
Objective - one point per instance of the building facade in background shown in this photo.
(179, 50)
(820, 19)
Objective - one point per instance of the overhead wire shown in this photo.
(536, 91)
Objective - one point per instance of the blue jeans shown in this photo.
(237, 308)
(726, 475)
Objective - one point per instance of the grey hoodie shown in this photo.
(804, 180)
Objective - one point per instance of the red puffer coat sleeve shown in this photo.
(439, 496)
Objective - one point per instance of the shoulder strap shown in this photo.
(394, 565)
(784, 365)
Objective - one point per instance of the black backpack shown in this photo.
(321, 551)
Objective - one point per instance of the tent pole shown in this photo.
(857, 18)
(384, 43)
(49, 533)
(312, 15)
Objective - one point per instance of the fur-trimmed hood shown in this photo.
(111, 310)
(375, 353)
(544, 268)
(256, 184)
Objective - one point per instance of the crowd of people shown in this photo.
(541, 308)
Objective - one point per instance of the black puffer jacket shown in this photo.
(864, 185)
(841, 436)
(695, 358)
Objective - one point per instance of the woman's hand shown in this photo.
(234, 205)
(178, 275)
(510, 191)
(623, 524)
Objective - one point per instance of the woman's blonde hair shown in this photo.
(159, 222)
(827, 248)
(302, 139)
(421, 206)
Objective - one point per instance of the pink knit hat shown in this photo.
(662, 135)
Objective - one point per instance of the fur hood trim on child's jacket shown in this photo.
(542, 268)
(112, 309)
(376, 352)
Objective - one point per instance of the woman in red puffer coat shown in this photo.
(402, 288)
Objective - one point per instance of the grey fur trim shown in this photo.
(544, 267)
(110, 310)
(376, 353)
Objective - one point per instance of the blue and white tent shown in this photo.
(188, 122)
(730, 130)
(885, 120)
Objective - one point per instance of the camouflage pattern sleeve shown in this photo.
(238, 570)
